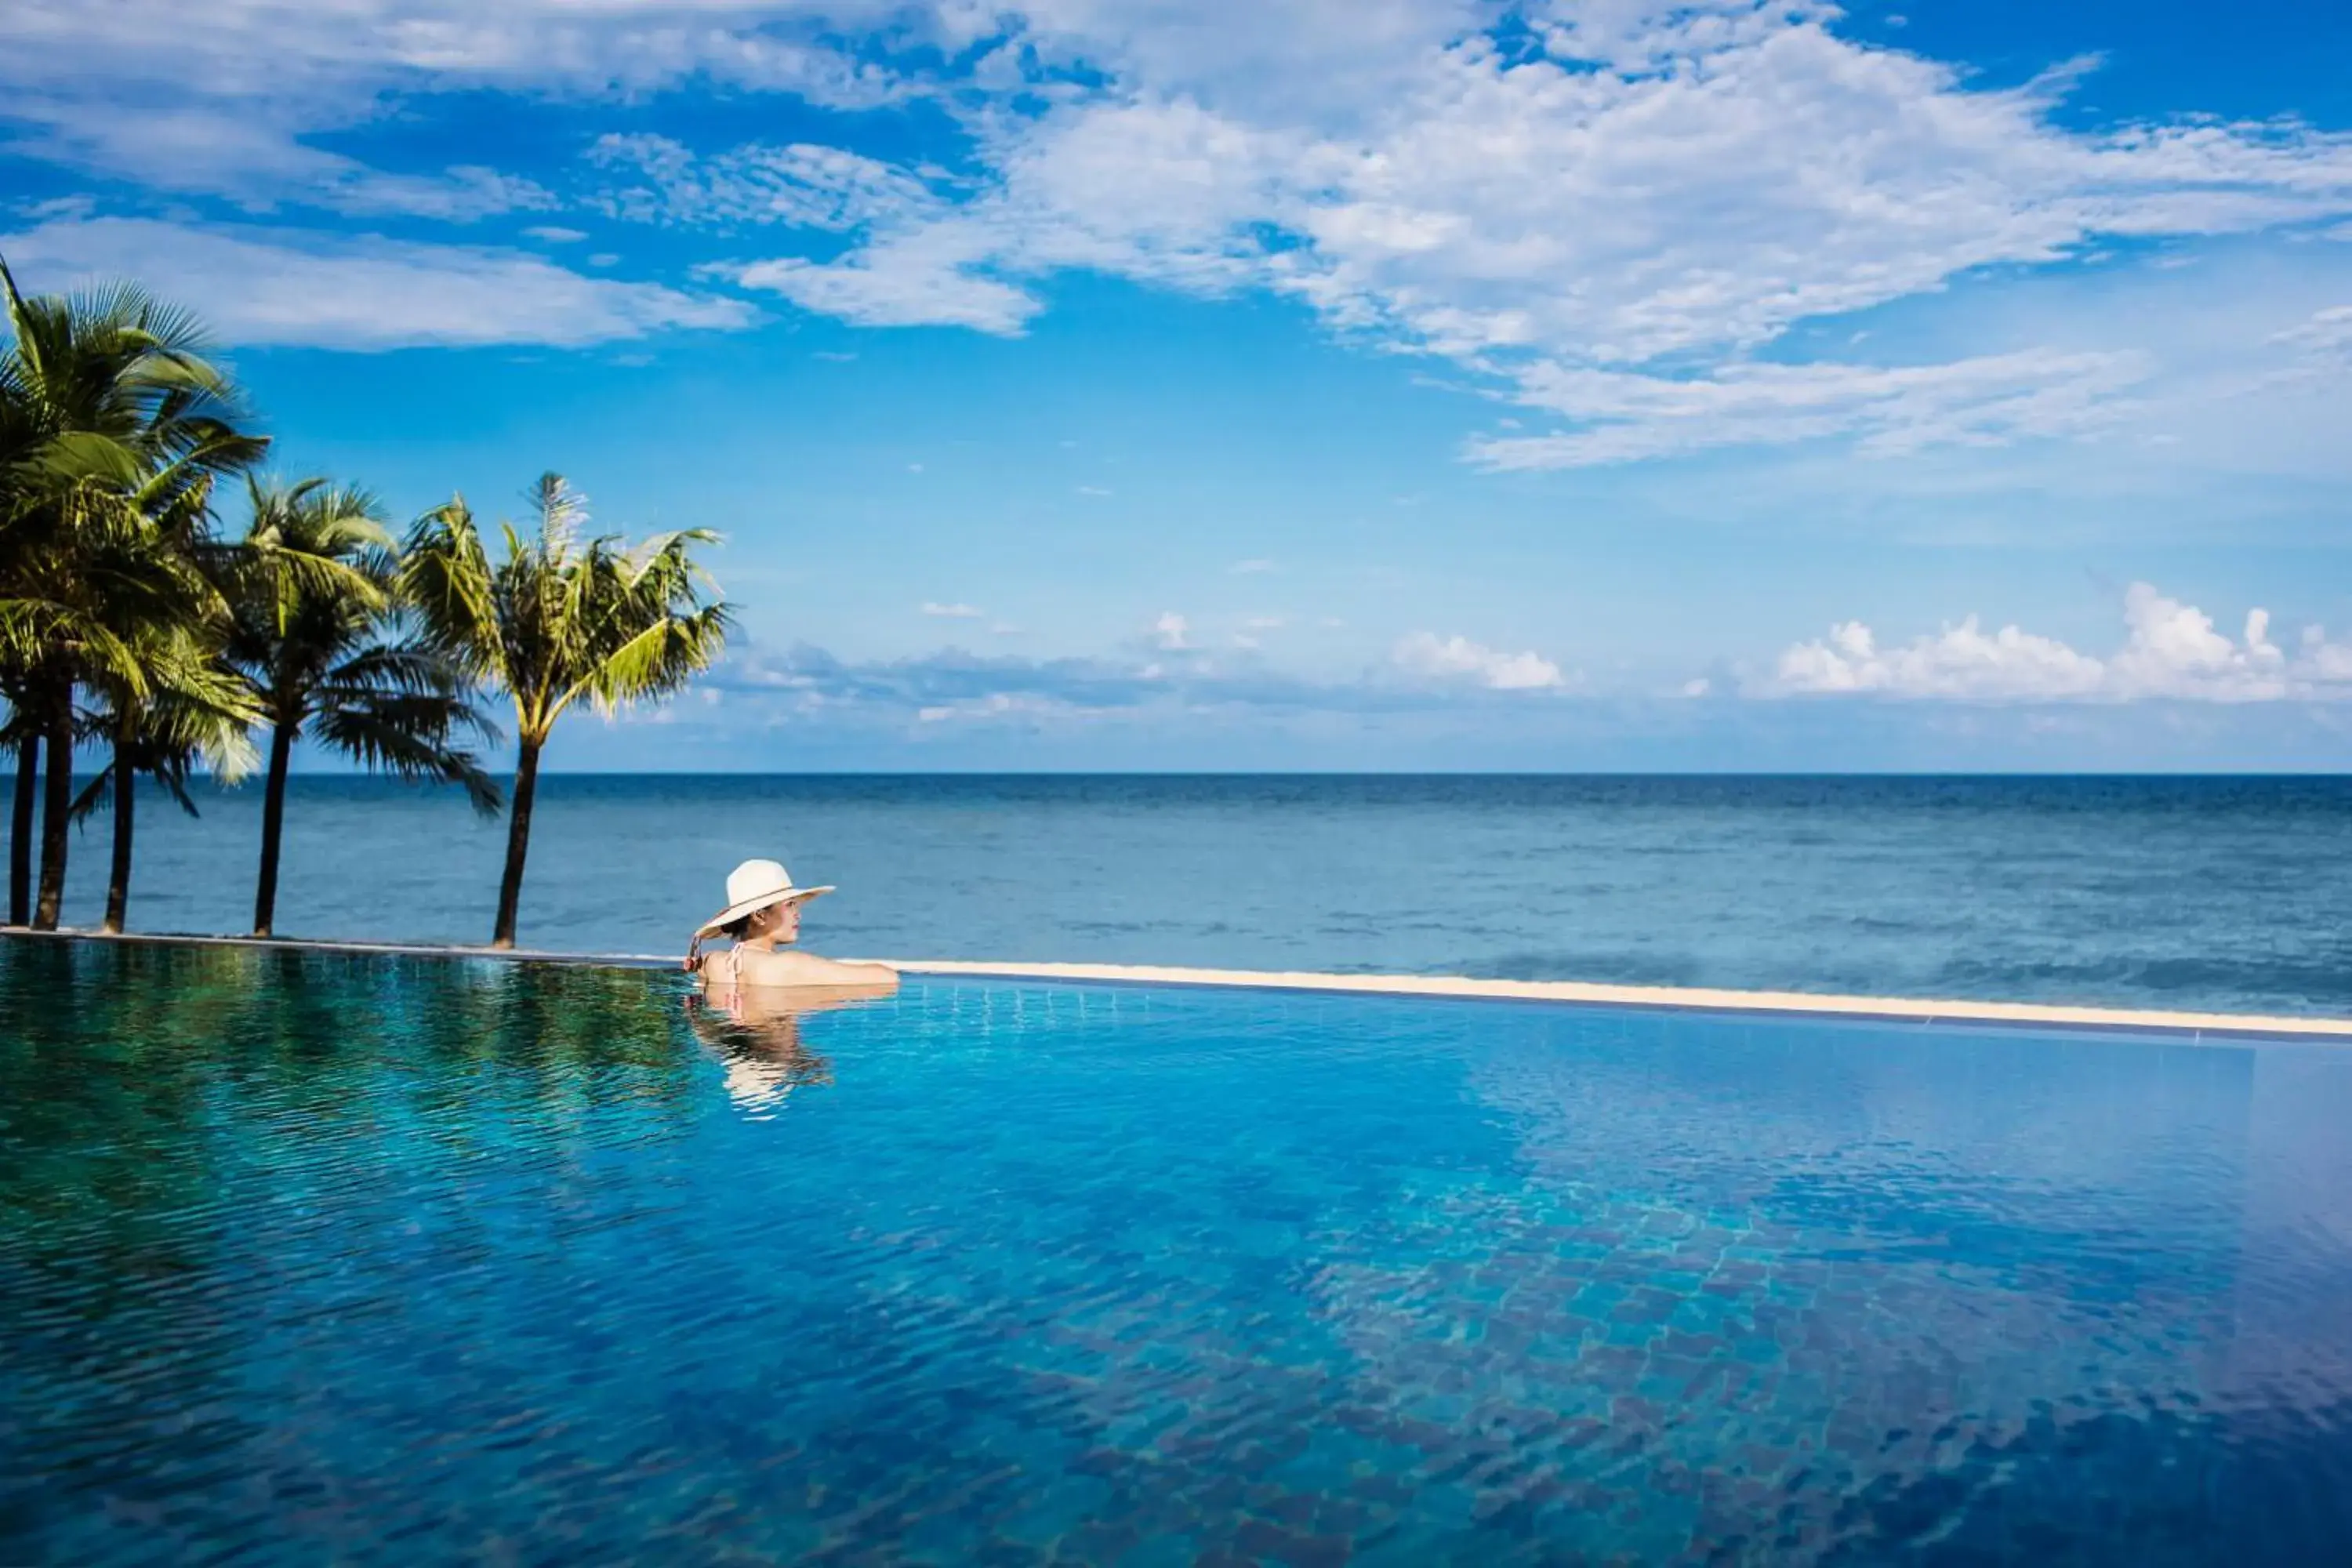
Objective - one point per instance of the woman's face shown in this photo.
(781, 921)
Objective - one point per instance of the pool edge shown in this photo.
(1570, 992)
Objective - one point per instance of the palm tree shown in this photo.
(22, 735)
(560, 619)
(192, 710)
(318, 632)
(108, 411)
(165, 698)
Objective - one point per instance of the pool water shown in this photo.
(310, 1258)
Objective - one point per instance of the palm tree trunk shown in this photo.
(526, 784)
(117, 875)
(56, 811)
(20, 828)
(273, 821)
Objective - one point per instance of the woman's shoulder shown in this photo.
(755, 964)
(790, 966)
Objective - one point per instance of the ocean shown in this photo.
(2192, 892)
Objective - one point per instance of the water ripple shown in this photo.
(372, 1260)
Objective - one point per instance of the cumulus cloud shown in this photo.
(1959, 661)
(1169, 632)
(951, 612)
(1457, 659)
(2171, 651)
(256, 285)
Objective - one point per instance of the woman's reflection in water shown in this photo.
(755, 1032)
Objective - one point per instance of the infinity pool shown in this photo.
(308, 1259)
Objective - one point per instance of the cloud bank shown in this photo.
(2172, 650)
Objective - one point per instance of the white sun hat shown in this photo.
(752, 887)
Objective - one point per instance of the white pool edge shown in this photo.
(1664, 998)
(1646, 998)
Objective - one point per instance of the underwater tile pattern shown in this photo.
(306, 1258)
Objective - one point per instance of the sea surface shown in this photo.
(307, 1258)
(2226, 893)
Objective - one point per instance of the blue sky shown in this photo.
(1333, 383)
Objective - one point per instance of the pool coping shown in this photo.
(1573, 993)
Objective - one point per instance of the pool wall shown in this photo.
(1646, 998)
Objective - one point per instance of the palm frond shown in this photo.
(92, 797)
(659, 660)
(445, 578)
(380, 741)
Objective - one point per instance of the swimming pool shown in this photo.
(308, 1256)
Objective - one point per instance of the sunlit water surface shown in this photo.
(313, 1258)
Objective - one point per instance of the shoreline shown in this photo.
(1920, 1011)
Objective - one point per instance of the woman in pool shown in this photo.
(762, 918)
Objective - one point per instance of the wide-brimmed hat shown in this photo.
(752, 887)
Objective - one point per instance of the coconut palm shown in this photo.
(22, 736)
(561, 619)
(164, 699)
(320, 633)
(189, 709)
(109, 417)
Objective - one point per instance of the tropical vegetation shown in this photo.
(134, 626)
(561, 617)
(318, 631)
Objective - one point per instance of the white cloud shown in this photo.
(999, 705)
(1618, 222)
(1169, 632)
(554, 233)
(248, 153)
(923, 280)
(800, 185)
(2172, 650)
(1960, 661)
(2326, 337)
(1624, 415)
(952, 612)
(1457, 659)
(130, 88)
(1613, 232)
(955, 684)
(255, 285)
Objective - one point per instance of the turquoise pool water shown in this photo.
(309, 1259)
